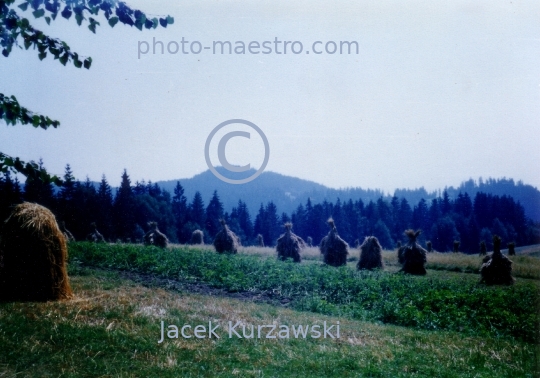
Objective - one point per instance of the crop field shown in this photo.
(443, 324)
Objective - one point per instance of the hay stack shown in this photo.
(197, 237)
(95, 236)
(370, 254)
(226, 240)
(483, 248)
(155, 237)
(511, 249)
(289, 245)
(260, 241)
(309, 241)
(497, 268)
(333, 248)
(69, 236)
(429, 246)
(34, 252)
(456, 246)
(412, 256)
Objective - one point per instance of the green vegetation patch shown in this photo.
(111, 328)
(419, 302)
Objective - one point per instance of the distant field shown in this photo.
(392, 325)
(526, 263)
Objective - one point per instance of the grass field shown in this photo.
(526, 263)
(441, 325)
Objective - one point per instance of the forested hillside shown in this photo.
(123, 214)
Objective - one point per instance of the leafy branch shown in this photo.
(15, 29)
(30, 169)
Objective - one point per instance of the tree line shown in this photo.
(123, 215)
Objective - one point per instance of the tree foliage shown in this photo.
(17, 31)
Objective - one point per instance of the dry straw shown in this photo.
(155, 237)
(289, 245)
(33, 251)
(511, 249)
(333, 248)
(226, 240)
(197, 237)
(456, 246)
(260, 241)
(95, 236)
(69, 236)
(496, 268)
(370, 254)
(412, 256)
(483, 248)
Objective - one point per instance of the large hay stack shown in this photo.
(497, 268)
(226, 240)
(197, 237)
(95, 236)
(260, 241)
(33, 252)
(511, 249)
(289, 245)
(412, 256)
(333, 248)
(155, 237)
(370, 254)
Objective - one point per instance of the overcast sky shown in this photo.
(439, 92)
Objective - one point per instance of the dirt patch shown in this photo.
(151, 281)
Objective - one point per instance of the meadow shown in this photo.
(441, 325)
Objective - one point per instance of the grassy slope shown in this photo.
(111, 328)
(440, 300)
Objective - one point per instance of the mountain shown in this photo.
(288, 192)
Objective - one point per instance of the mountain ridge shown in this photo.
(287, 192)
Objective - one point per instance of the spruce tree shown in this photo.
(39, 191)
(180, 212)
(244, 220)
(124, 210)
(196, 211)
(104, 213)
(214, 213)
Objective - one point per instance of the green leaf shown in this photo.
(113, 21)
(23, 6)
(38, 13)
(79, 17)
(48, 19)
(87, 63)
(64, 58)
(170, 20)
(42, 55)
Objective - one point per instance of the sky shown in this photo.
(439, 92)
